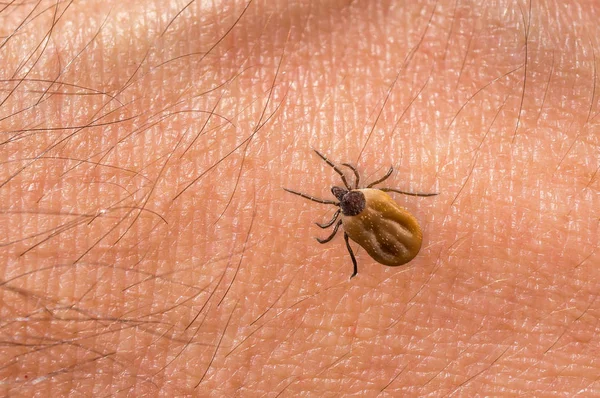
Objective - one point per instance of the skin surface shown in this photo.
(147, 248)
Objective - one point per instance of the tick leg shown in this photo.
(351, 256)
(382, 179)
(407, 193)
(330, 223)
(335, 229)
(355, 174)
(324, 201)
(337, 169)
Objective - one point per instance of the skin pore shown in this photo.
(147, 246)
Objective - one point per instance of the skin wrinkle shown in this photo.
(111, 109)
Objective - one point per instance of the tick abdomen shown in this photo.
(388, 232)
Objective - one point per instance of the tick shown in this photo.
(371, 218)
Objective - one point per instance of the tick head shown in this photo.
(339, 192)
(352, 203)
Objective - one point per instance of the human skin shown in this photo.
(147, 246)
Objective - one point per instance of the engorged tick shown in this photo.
(371, 218)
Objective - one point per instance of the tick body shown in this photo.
(371, 218)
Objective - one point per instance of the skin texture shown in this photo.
(147, 247)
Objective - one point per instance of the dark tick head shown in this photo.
(339, 192)
(351, 202)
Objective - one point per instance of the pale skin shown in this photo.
(148, 248)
